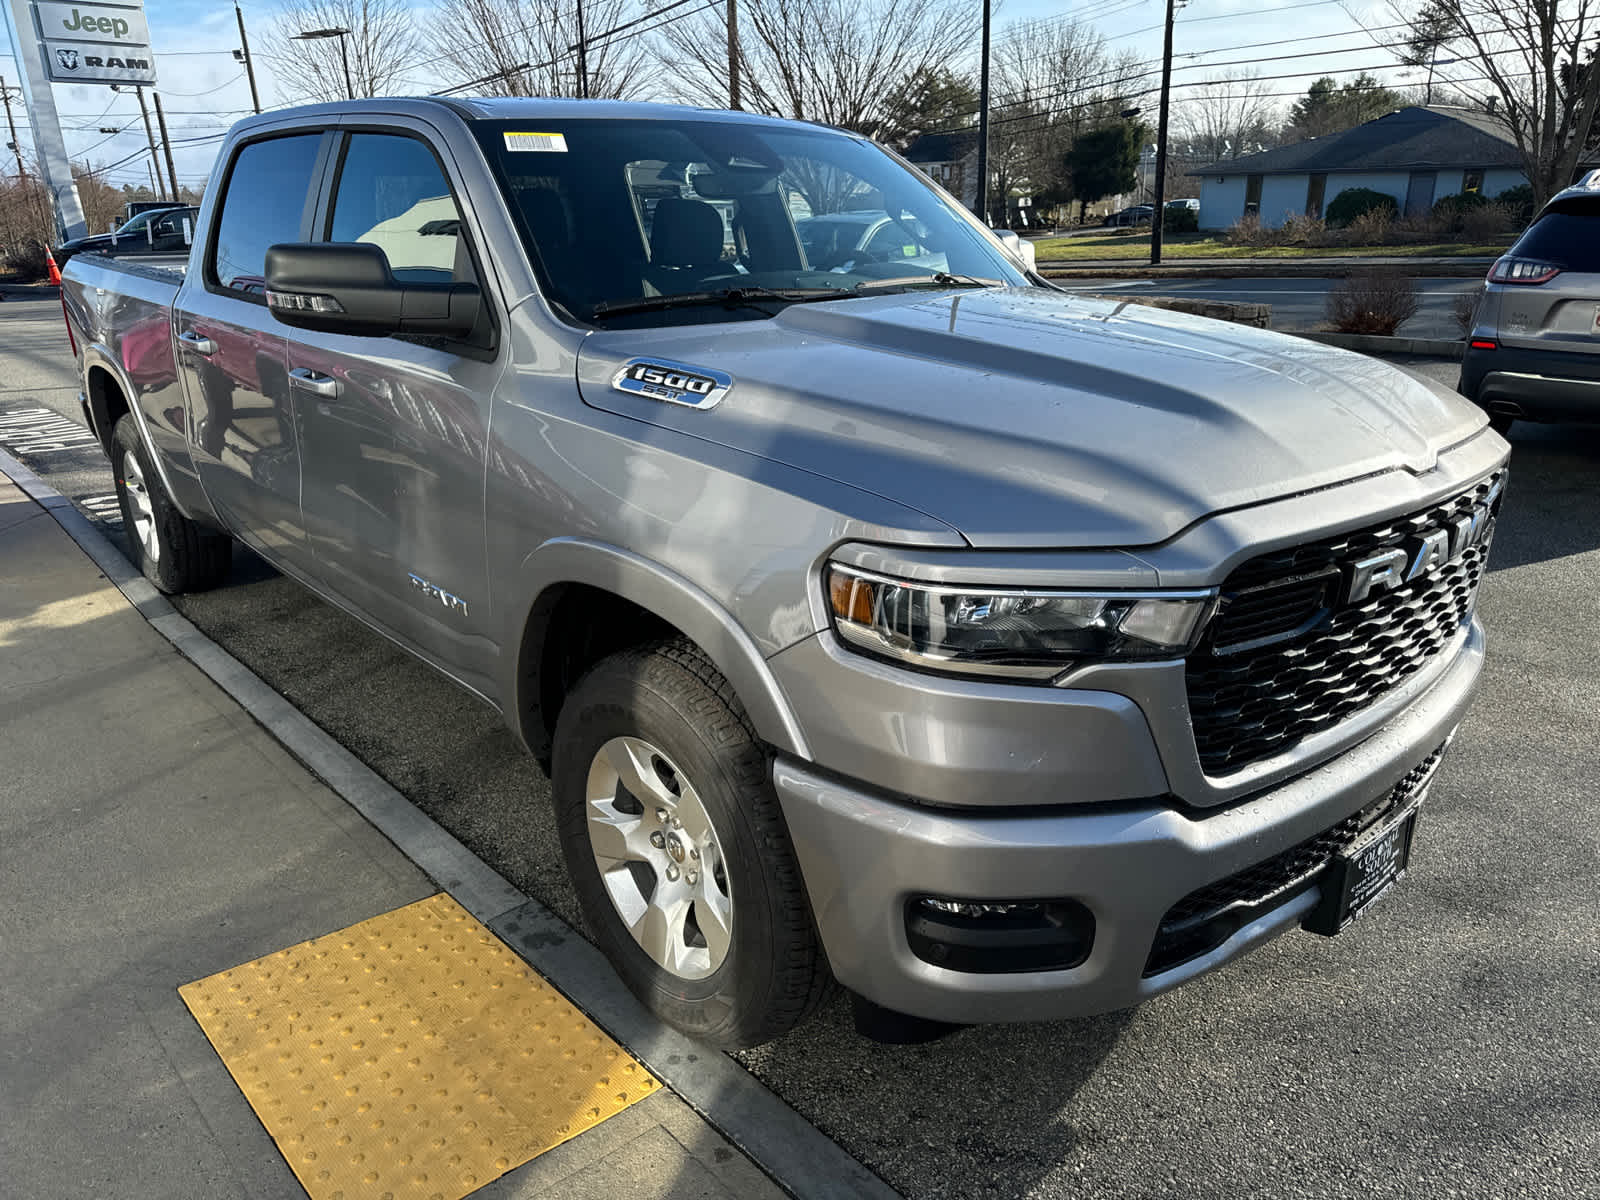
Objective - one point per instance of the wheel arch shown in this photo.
(573, 587)
(112, 395)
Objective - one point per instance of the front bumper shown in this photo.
(1535, 385)
(865, 855)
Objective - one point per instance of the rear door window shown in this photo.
(391, 193)
(1568, 236)
(264, 205)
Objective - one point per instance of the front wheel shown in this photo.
(678, 849)
(172, 551)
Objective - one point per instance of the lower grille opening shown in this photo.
(999, 937)
(1209, 916)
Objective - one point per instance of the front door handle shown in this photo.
(200, 345)
(315, 381)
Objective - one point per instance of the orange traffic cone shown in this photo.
(55, 271)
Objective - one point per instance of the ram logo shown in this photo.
(1423, 554)
(674, 382)
(68, 59)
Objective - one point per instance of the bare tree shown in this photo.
(1537, 61)
(381, 47)
(835, 61)
(1054, 80)
(527, 47)
(1225, 117)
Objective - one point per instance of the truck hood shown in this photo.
(1028, 418)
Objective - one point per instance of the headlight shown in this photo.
(1021, 634)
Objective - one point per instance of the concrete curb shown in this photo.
(799, 1157)
(1370, 344)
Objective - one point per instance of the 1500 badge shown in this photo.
(674, 382)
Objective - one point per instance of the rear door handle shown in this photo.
(315, 381)
(200, 345)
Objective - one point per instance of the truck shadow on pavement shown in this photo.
(1550, 508)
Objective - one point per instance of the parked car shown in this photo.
(1188, 202)
(154, 231)
(1139, 214)
(868, 623)
(1534, 350)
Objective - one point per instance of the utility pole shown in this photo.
(1158, 217)
(733, 55)
(166, 144)
(16, 142)
(583, 57)
(150, 170)
(149, 135)
(982, 208)
(244, 57)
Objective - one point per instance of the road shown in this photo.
(1446, 1045)
(1296, 303)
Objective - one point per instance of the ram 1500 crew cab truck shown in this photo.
(886, 616)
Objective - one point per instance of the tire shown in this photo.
(745, 962)
(172, 551)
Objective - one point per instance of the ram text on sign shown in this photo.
(86, 62)
(101, 23)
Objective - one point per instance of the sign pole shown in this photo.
(41, 103)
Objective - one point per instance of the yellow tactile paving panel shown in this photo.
(412, 1055)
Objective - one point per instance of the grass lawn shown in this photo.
(1092, 247)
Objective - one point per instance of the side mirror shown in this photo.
(1020, 249)
(347, 287)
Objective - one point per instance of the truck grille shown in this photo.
(1283, 658)
(1206, 918)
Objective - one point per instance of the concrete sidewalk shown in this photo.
(152, 834)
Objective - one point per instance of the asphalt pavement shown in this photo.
(1447, 1045)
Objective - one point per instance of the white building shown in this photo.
(1417, 155)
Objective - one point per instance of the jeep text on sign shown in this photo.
(87, 62)
(103, 23)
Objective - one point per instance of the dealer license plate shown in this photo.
(1363, 873)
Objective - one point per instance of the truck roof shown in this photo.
(512, 108)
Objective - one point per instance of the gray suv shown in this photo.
(897, 621)
(1534, 350)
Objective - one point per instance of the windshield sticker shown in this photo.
(674, 382)
(549, 143)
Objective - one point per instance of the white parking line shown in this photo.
(41, 431)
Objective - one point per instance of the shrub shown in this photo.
(1301, 230)
(1372, 302)
(1247, 231)
(1420, 227)
(1352, 202)
(25, 261)
(1450, 207)
(1371, 228)
(1465, 308)
(1181, 220)
(1494, 220)
(1519, 201)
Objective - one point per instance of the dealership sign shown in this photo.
(95, 43)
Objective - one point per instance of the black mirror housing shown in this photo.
(347, 287)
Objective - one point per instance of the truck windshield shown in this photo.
(614, 212)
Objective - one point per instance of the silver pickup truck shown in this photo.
(881, 613)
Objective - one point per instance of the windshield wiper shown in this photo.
(941, 279)
(732, 295)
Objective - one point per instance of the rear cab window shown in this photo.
(391, 193)
(264, 203)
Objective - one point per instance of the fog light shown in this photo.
(999, 936)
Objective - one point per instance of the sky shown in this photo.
(204, 90)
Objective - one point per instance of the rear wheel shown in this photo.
(678, 849)
(172, 551)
